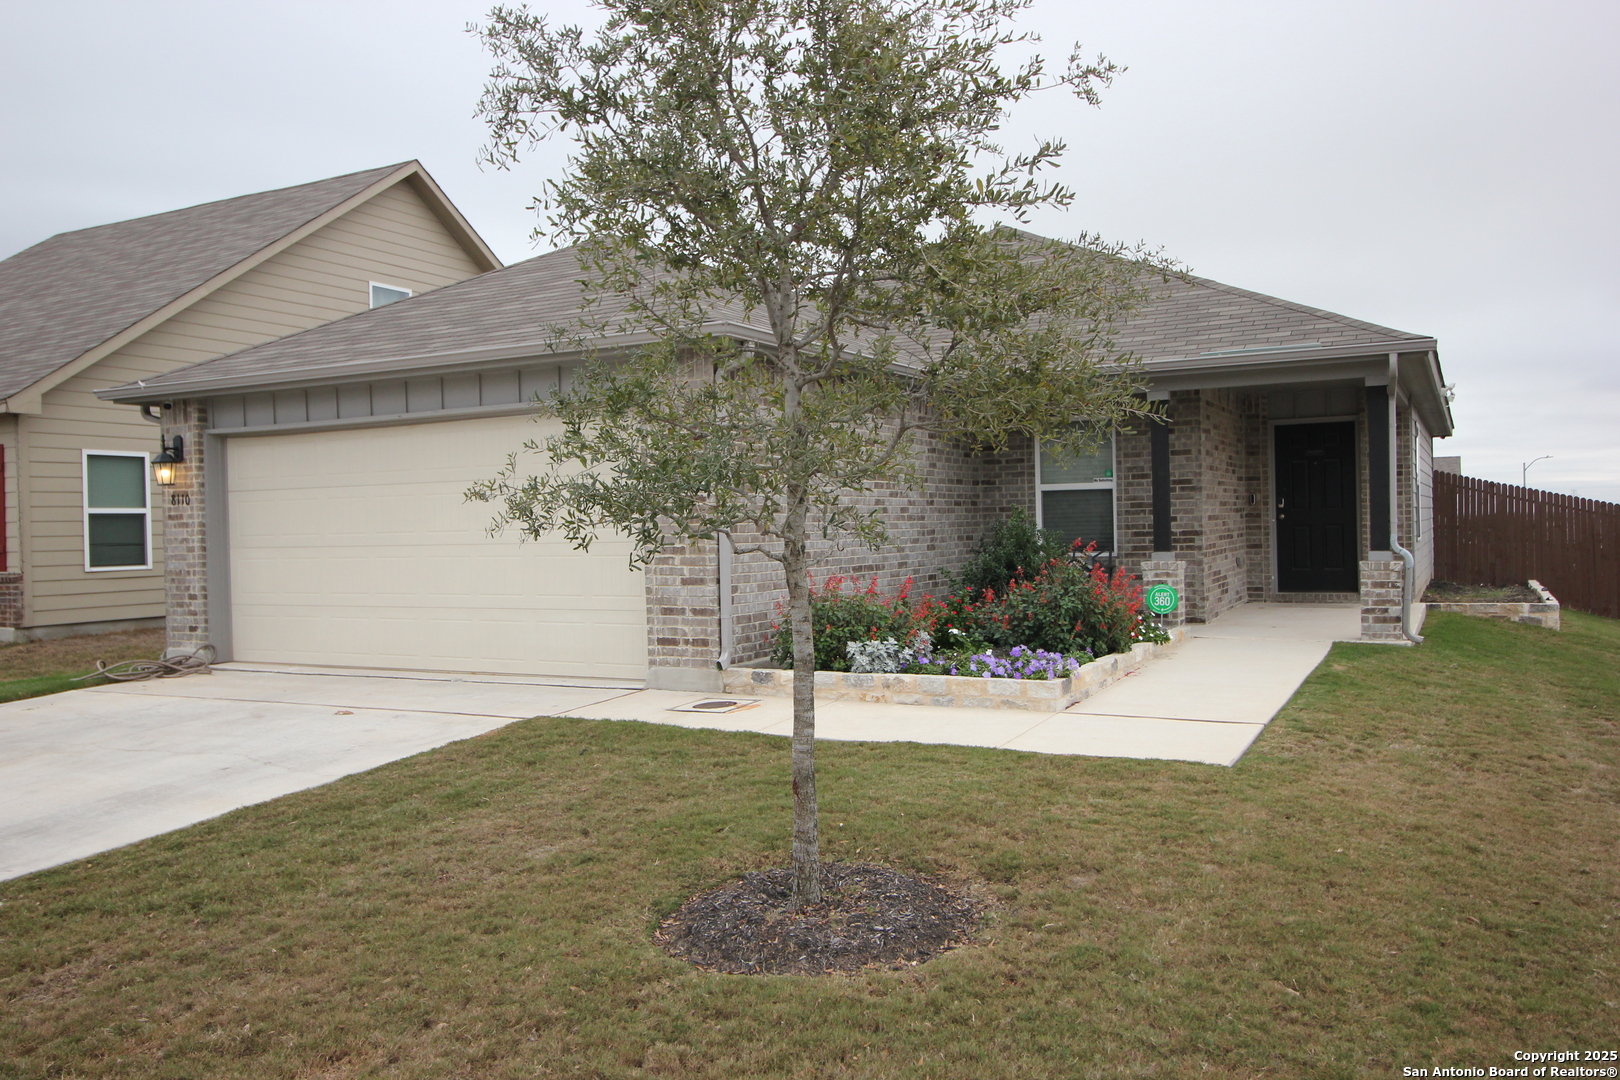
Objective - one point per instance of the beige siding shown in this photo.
(393, 238)
(1423, 541)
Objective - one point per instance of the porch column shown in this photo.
(187, 572)
(1378, 467)
(1159, 453)
(1163, 568)
(1382, 574)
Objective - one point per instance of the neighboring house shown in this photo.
(83, 547)
(328, 490)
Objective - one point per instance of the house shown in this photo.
(83, 547)
(324, 511)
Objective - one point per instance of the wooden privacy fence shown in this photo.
(1498, 534)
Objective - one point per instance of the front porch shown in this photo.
(1281, 493)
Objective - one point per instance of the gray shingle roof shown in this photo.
(66, 295)
(1200, 316)
(508, 312)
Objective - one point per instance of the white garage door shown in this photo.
(356, 548)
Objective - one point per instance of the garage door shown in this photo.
(356, 548)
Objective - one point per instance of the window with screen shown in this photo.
(117, 512)
(1076, 493)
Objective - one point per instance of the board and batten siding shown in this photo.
(393, 237)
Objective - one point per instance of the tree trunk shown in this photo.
(806, 820)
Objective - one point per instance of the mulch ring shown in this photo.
(869, 916)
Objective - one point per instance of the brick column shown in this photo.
(683, 619)
(185, 539)
(1171, 572)
(1381, 600)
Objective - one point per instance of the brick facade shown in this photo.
(1221, 507)
(931, 532)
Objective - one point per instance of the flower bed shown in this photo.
(962, 691)
(1544, 612)
(1068, 607)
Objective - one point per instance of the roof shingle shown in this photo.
(511, 310)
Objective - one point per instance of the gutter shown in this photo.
(1286, 355)
(402, 366)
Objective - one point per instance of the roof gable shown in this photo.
(65, 296)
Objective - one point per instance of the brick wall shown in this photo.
(1133, 493)
(11, 600)
(931, 532)
(683, 606)
(184, 533)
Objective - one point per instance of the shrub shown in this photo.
(841, 615)
(1069, 607)
(889, 655)
(1015, 548)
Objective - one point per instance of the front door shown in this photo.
(1316, 507)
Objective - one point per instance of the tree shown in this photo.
(830, 167)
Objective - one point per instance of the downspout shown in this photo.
(1406, 589)
(727, 633)
(1407, 557)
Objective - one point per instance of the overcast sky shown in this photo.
(1442, 168)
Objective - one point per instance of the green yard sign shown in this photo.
(1162, 599)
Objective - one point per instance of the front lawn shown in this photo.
(48, 667)
(1415, 866)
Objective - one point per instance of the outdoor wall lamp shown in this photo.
(163, 465)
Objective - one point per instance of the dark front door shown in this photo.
(1316, 507)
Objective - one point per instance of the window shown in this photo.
(117, 511)
(386, 294)
(1076, 494)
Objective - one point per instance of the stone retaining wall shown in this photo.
(1548, 612)
(958, 691)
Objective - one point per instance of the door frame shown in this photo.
(1355, 420)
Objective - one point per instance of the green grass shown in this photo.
(49, 667)
(17, 689)
(1415, 865)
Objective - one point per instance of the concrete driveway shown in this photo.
(90, 770)
(94, 769)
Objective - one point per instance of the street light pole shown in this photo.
(1525, 468)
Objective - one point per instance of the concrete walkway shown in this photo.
(89, 770)
(1206, 700)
